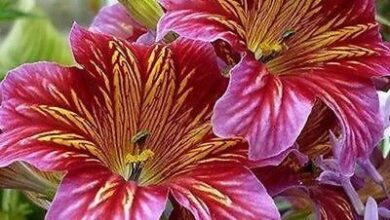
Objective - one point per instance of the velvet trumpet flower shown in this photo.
(293, 52)
(130, 125)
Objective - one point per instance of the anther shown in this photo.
(140, 137)
(288, 34)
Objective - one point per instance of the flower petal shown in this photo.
(302, 33)
(103, 195)
(180, 18)
(332, 203)
(275, 184)
(179, 212)
(38, 199)
(210, 194)
(371, 210)
(357, 108)
(116, 20)
(314, 139)
(268, 111)
(40, 120)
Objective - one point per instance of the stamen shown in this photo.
(136, 162)
(288, 34)
(142, 157)
(140, 137)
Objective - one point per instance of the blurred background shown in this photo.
(33, 30)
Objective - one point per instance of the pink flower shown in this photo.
(294, 52)
(129, 125)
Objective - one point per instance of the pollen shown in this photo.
(267, 50)
(142, 157)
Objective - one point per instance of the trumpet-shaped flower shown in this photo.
(129, 125)
(294, 52)
(318, 186)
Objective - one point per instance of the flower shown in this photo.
(294, 52)
(318, 186)
(129, 125)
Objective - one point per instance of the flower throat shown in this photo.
(266, 51)
(137, 159)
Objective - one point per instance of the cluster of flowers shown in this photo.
(215, 110)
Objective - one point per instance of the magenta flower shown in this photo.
(294, 53)
(318, 187)
(130, 126)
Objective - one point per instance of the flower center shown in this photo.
(266, 51)
(136, 163)
(136, 160)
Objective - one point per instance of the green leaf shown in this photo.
(32, 40)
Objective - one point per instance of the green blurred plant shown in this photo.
(12, 206)
(383, 17)
(9, 10)
(33, 39)
(146, 12)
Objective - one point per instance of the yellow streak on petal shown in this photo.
(69, 140)
(104, 193)
(127, 202)
(213, 193)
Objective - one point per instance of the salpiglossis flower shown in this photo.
(316, 186)
(129, 126)
(295, 51)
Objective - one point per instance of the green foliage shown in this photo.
(383, 17)
(9, 10)
(12, 207)
(146, 12)
(31, 40)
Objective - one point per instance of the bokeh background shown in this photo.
(33, 30)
